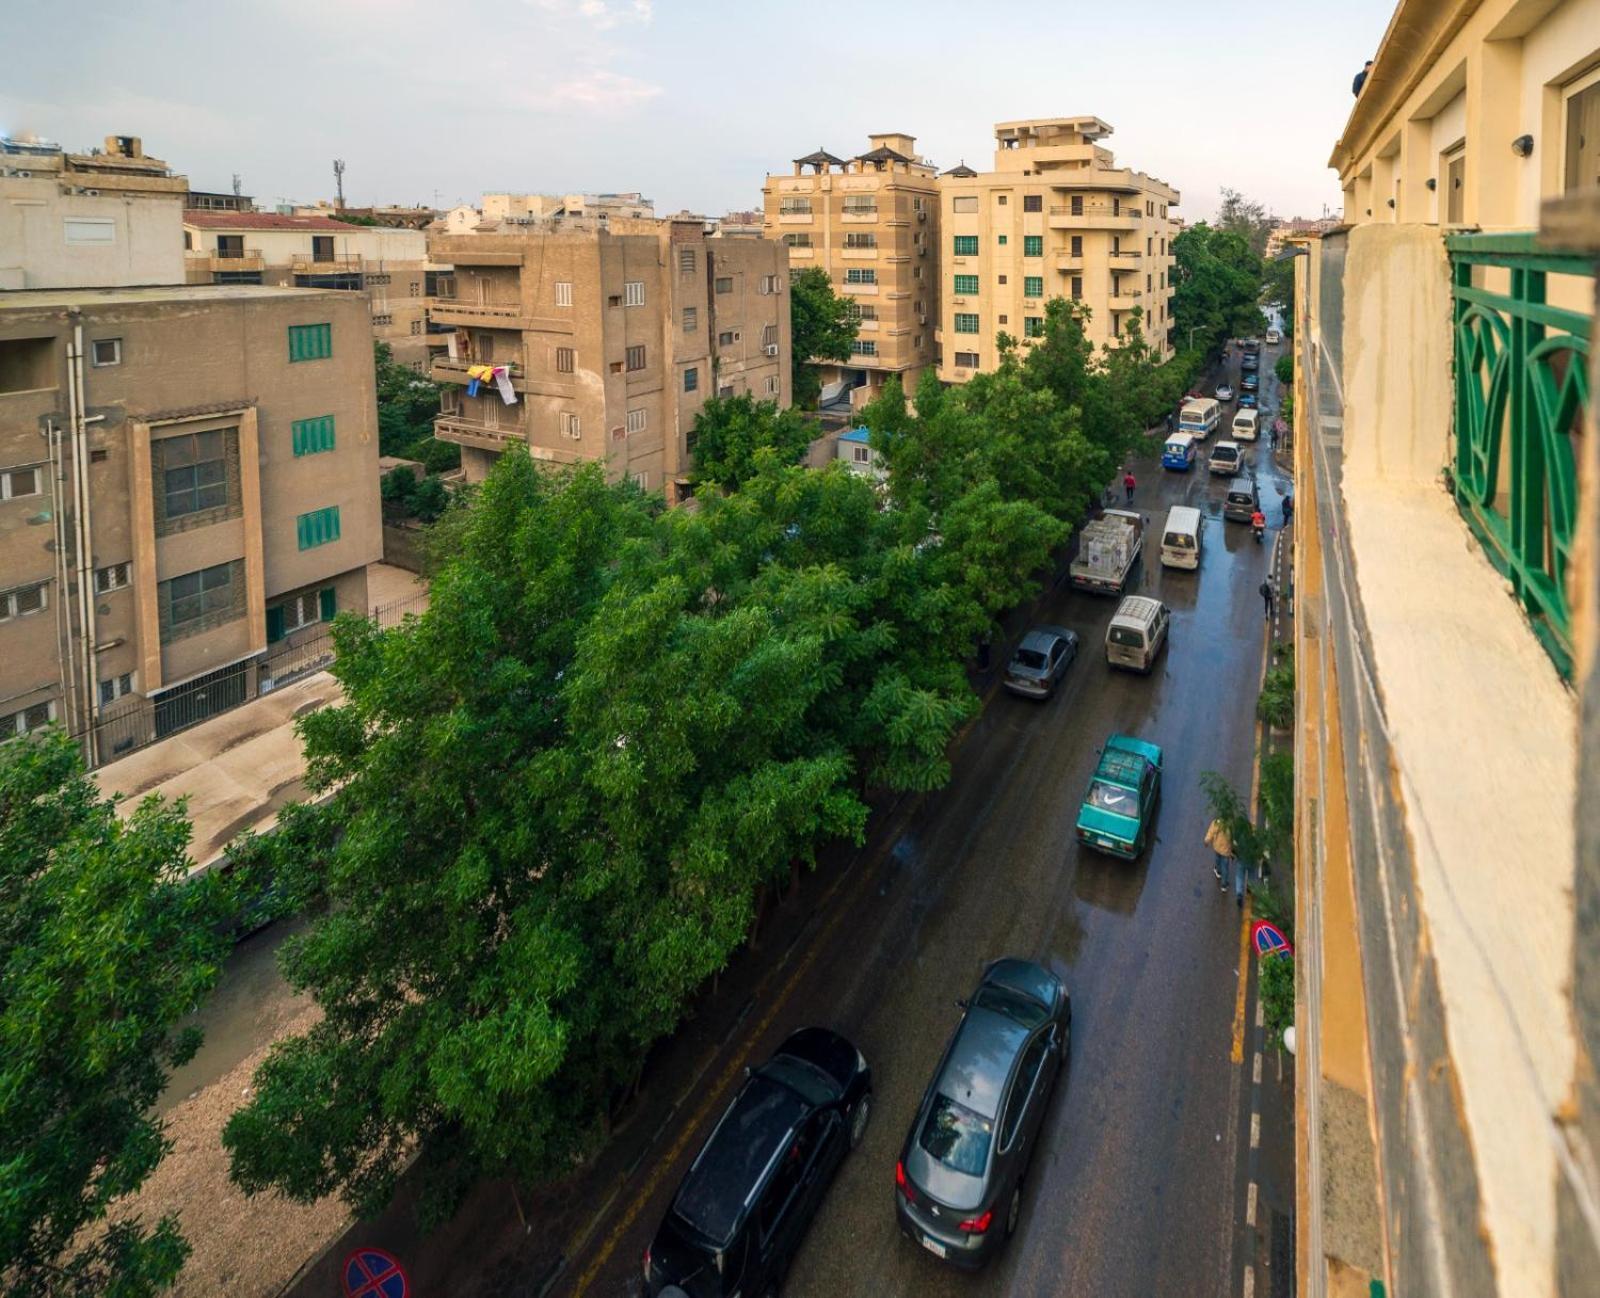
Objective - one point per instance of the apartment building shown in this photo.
(612, 336)
(71, 220)
(388, 266)
(547, 207)
(871, 222)
(188, 482)
(1055, 218)
(1447, 863)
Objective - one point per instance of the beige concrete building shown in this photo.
(545, 207)
(1055, 218)
(871, 222)
(1448, 707)
(72, 220)
(388, 265)
(614, 335)
(188, 486)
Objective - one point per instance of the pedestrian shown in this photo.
(1221, 844)
(1272, 437)
(1361, 79)
(1288, 509)
(1169, 422)
(1269, 597)
(1128, 483)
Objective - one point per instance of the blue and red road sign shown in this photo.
(372, 1273)
(1268, 939)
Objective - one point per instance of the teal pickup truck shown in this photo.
(1118, 812)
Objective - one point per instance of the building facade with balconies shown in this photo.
(611, 336)
(872, 223)
(1447, 753)
(388, 265)
(1055, 218)
(188, 491)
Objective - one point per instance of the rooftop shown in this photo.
(46, 298)
(854, 435)
(206, 219)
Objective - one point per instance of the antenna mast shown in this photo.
(338, 180)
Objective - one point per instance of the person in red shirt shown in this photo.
(1128, 483)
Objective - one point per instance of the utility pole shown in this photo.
(338, 180)
(238, 185)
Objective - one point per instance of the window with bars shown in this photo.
(563, 292)
(798, 239)
(966, 360)
(199, 600)
(634, 357)
(794, 207)
(1033, 286)
(319, 527)
(966, 245)
(862, 310)
(23, 600)
(861, 275)
(15, 483)
(312, 342)
(966, 283)
(861, 239)
(312, 436)
(686, 261)
(861, 204)
(299, 611)
(196, 478)
(638, 420)
(26, 720)
(691, 379)
(112, 577)
(1033, 203)
(633, 292)
(1033, 245)
(115, 688)
(1033, 326)
(864, 347)
(966, 322)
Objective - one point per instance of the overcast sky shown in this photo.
(690, 101)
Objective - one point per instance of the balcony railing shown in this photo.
(333, 263)
(1521, 395)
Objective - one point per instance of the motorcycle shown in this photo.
(1258, 530)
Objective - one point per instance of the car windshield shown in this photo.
(1113, 798)
(1179, 541)
(1126, 635)
(957, 1136)
(804, 1078)
(1013, 1004)
(1031, 658)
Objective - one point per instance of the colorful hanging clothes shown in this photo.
(499, 375)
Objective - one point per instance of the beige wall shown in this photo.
(142, 232)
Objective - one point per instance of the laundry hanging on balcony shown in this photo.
(499, 375)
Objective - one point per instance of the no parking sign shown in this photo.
(1268, 939)
(372, 1273)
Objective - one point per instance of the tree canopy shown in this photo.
(1216, 288)
(730, 431)
(407, 404)
(821, 328)
(104, 949)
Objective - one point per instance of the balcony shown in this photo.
(468, 432)
(249, 259)
(1069, 263)
(1125, 299)
(340, 263)
(859, 215)
(1092, 216)
(1126, 259)
(485, 315)
(446, 370)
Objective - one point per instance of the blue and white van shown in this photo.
(1179, 452)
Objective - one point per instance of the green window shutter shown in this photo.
(329, 601)
(966, 245)
(1002, 241)
(274, 624)
(1033, 286)
(1033, 245)
(313, 435)
(313, 342)
(966, 283)
(966, 322)
(319, 527)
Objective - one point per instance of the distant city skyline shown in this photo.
(689, 104)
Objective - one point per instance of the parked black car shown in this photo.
(751, 1192)
(958, 1184)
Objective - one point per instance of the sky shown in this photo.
(691, 102)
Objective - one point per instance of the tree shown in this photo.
(1278, 288)
(1216, 288)
(1283, 367)
(821, 328)
(407, 404)
(730, 431)
(1249, 220)
(105, 949)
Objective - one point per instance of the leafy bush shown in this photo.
(1275, 987)
(1275, 705)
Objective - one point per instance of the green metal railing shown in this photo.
(1521, 394)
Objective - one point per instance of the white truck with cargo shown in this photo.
(1108, 547)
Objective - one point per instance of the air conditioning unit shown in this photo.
(922, 216)
(92, 193)
(922, 319)
(771, 349)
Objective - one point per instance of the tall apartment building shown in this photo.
(1055, 218)
(613, 336)
(388, 265)
(188, 478)
(73, 220)
(871, 222)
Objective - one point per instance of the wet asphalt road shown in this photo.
(1136, 1187)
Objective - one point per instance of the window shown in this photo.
(861, 454)
(1033, 286)
(1077, 288)
(725, 390)
(377, 281)
(1004, 318)
(311, 436)
(633, 292)
(1149, 246)
(36, 717)
(769, 335)
(1163, 247)
(22, 600)
(416, 326)
(800, 240)
(563, 292)
(566, 360)
(115, 688)
(864, 347)
(20, 482)
(794, 207)
(860, 239)
(723, 284)
(383, 319)
(642, 481)
(691, 319)
(1017, 1105)
(771, 284)
(1455, 180)
(1148, 283)
(1000, 201)
(1002, 241)
(1033, 245)
(303, 610)
(192, 472)
(1116, 207)
(1077, 205)
(89, 230)
(966, 322)
(111, 578)
(105, 351)
(726, 338)
(861, 275)
(1033, 326)
(966, 245)
(861, 204)
(1583, 137)
(966, 204)
(637, 420)
(319, 527)
(198, 600)
(322, 247)
(1033, 203)
(691, 379)
(572, 425)
(686, 261)
(966, 283)
(861, 310)
(313, 342)
(635, 357)
(772, 385)
(1077, 245)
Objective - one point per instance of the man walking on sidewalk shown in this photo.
(1128, 483)
(1225, 866)
(1269, 597)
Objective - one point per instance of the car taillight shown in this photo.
(903, 1183)
(977, 1225)
(647, 1264)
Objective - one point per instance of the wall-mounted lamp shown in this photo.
(1432, 182)
(1522, 146)
(1391, 202)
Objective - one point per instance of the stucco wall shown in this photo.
(145, 247)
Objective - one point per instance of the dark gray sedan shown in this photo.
(1041, 660)
(958, 1183)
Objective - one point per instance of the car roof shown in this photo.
(1232, 446)
(1245, 485)
(1042, 637)
(980, 1060)
(1026, 977)
(1141, 608)
(716, 1192)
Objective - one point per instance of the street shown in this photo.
(1138, 1186)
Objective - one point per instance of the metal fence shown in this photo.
(139, 722)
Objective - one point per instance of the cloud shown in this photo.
(599, 15)
(599, 89)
